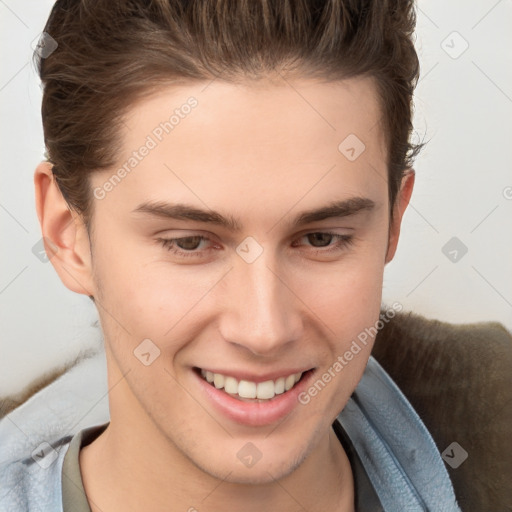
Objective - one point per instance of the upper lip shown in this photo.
(256, 377)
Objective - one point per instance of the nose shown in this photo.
(262, 313)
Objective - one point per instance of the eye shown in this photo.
(324, 239)
(189, 243)
(186, 246)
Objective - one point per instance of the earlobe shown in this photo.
(401, 203)
(64, 235)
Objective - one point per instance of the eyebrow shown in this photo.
(181, 211)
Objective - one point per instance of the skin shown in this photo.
(262, 153)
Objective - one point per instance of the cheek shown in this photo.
(349, 308)
(348, 294)
(348, 302)
(129, 283)
(143, 298)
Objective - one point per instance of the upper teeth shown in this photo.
(248, 389)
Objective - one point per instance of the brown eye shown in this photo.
(185, 246)
(323, 238)
(323, 244)
(190, 243)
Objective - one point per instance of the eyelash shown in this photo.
(343, 241)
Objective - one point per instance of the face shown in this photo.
(209, 262)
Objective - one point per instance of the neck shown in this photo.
(120, 473)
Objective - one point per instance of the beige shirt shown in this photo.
(74, 498)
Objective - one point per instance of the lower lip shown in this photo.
(255, 414)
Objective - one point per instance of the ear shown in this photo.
(401, 203)
(65, 237)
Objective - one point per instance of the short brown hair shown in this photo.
(111, 52)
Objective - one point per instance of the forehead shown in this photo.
(295, 109)
(251, 144)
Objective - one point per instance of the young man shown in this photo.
(226, 180)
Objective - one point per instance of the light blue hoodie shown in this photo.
(395, 448)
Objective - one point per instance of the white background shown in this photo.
(463, 187)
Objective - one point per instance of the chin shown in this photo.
(265, 470)
(251, 476)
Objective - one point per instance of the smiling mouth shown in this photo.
(249, 391)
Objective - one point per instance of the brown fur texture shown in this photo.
(9, 403)
(459, 380)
